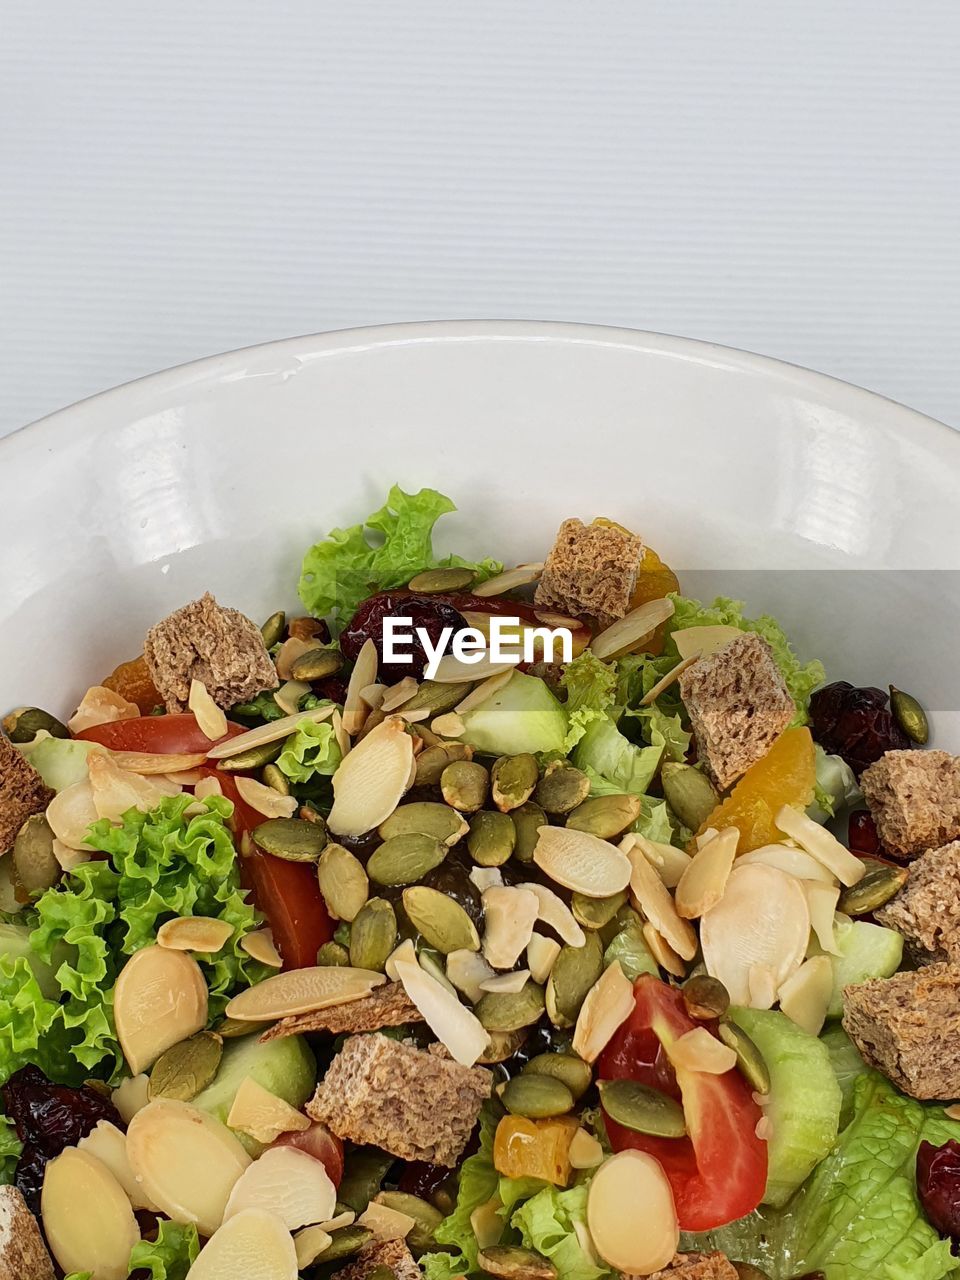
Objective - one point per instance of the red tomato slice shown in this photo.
(319, 1142)
(719, 1171)
(160, 735)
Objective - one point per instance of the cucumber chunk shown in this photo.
(866, 951)
(847, 1065)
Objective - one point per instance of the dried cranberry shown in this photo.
(421, 1179)
(862, 832)
(856, 724)
(938, 1185)
(332, 687)
(426, 611)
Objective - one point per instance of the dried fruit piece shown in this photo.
(87, 1218)
(607, 1006)
(160, 999)
(938, 1185)
(524, 1148)
(631, 1214)
(450, 1021)
(372, 780)
(302, 991)
(253, 1243)
(132, 680)
(287, 1183)
(261, 1114)
(854, 723)
(194, 933)
(582, 862)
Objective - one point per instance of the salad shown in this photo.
(632, 949)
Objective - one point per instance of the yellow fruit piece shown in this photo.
(535, 1148)
(655, 579)
(132, 680)
(786, 775)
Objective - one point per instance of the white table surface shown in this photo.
(184, 178)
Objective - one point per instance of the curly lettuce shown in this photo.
(168, 1257)
(479, 1182)
(590, 686)
(548, 1223)
(312, 750)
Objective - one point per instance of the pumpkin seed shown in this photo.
(424, 817)
(438, 698)
(537, 1097)
(231, 1029)
(596, 913)
(451, 579)
(420, 1237)
(332, 953)
(24, 724)
(689, 793)
(510, 1262)
(574, 972)
(343, 882)
(561, 789)
(503, 1045)
(292, 839)
(878, 886)
(186, 1068)
(432, 762)
(373, 935)
(273, 629)
(566, 1067)
(253, 758)
(35, 865)
(405, 859)
(464, 785)
(527, 821)
(273, 777)
(705, 997)
(440, 920)
(345, 1242)
(910, 716)
(362, 1178)
(750, 1060)
(605, 816)
(642, 1109)
(510, 1010)
(317, 664)
(514, 779)
(491, 839)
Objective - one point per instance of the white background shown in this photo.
(186, 177)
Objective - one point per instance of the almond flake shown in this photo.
(101, 705)
(698, 1050)
(653, 899)
(542, 956)
(340, 733)
(585, 1151)
(789, 859)
(302, 991)
(406, 951)
(261, 946)
(107, 1144)
(364, 672)
(805, 996)
(273, 731)
(373, 695)
(662, 951)
(266, 800)
(373, 779)
(822, 904)
(510, 983)
(523, 576)
(553, 911)
(581, 862)
(486, 877)
(399, 693)
(344, 1219)
(309, 1244)
(87, 1218)
(706, 836)
(703, 641)
(486, 1222)
(667, 681)
(632, 629)
(293, 647)
(509, 914)
(207, 787)
(466, 970)
(669, 862)
(451, 670)
(953, 1111)
(608, 1004)
(631, 1214)
(149, 762)
(253, 1243)
(450, 1021)
(820, 844)
(185, 778)
(552, 619)
(194, 933)
(261, 1114)
(703, 883)
(160, 999)
(209, 717)
(484, 690)
(764, 1129)
(130, 1096)
(386, 1223)
(762, 986)
(449, 725)
(287, 1182)
(288, 696)
(414, 715)
(116, 790)
(68, 859)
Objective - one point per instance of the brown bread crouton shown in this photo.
(386, 1006)
(23, 1255)
(22, 793)
(738, 705)
(411, 1103)
(927, 909)
(220, 647)
(698, 1266)
(914, 797)
(592, 570)
(391, 1253)
(908, 1027)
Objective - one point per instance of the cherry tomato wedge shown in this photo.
(719, 1171)
(319, 1142)
(160, 735)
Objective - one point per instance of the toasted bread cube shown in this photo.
(927, 909)
(386, 1006)
(391, 1253)
(698, 1266)
(23, 1255)
(591, 570)
(22, 793)
(914, 797)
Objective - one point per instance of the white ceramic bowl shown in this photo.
(217, 475)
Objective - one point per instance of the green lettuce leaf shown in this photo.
(346, 566)
(835, 787)
(546, 1223)
(590, 686)
(479, 1181)
(312, 750)
(637, 673)
(613, 763)
(10, 1148)
(654, 822)
(168, 1257)
(663, 731)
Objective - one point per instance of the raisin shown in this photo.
(862, 832)
(428, 612)
(332, 687)
(938, 1186)
(856, 724)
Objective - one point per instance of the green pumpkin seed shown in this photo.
(373, 935)
(427, 1218)
(186, 1068)
(345, 1242)
(566, 1067)
(527, 821)
(273, 629)
(510, 1010)
(465, 785)
(491, 839)
(596, 913)
(275, 778)
(642, 1109)
(293, 839)
(451, 579)
(253, 758)
(35, 866)
(910, 716)
(689, 793)
(423, 817)
(503, 1045)
(750, 1060)
(509, 1262)
(317, 664)
(443, 922)
(561, 789)
(705, 997)
(230, 1029)
(605, 816)
(878, 886)
(363, 1176)
(574, 972)
(438, 698)
(24, 724)
(537, 1097)
(513, 779)
(343, 882)
(406, 859)
(333, 954)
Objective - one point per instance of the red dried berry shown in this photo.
(856, 724)
(862, 832)
(938, 1186)
(430, 612)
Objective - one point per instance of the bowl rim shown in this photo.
(331, 341)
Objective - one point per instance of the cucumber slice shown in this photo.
(847, 1065)
(804, 1102)
(866, 951)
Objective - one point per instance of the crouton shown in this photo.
(386, 1006)
(698, 1266)
(738, 705)
(220, 647)
(411, 1103)
(908, 1027)
(391, 1253)
(914, 797)
(591, 569)
(927, 909)
(22, 793)
(23, 1255)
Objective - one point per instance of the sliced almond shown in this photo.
(553, 619)
(608, 1004)
(523, 576)
(703, 641)
(194, 933)
(288, 1183)
(509, 914)
(820, 844)
(273, 731)
(451, 670)
(585, 1151)
(662, 951)
(206, 788)
(762, 986)
(805, 996)
(261, 1114)
(117, 790)
(703, 883)
(101, 705)
(653, 899)
(486, 877)
(581, 862)
(160, 999)
(87, 1218)
(372, 780)
(484, 690)
(542, 956)
(631, 1214)
(209, 717)
(399, 693)
(510, 983)
(822, 904)
(343, 1219)
(107, 1144)
(302, 991)
(373, 695)
(355, 710)
(406, 951)
(130, 1096)
(698, 1050)
(150, 762)
(450, 1021)
(632, 629)
(185, 778)
(68, 859)
(666, 682)
(253, 1243)
(309, 1244)
(260, 945)
(486, 1223)
(265, 799)
(553, 911)
(293, 647)
(953, 1111)
(669, 862)
(449, 725)
(706, 836)
(467, 970)
(795, 862)
(340, 733)
(288, 696)
(386, 1223)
